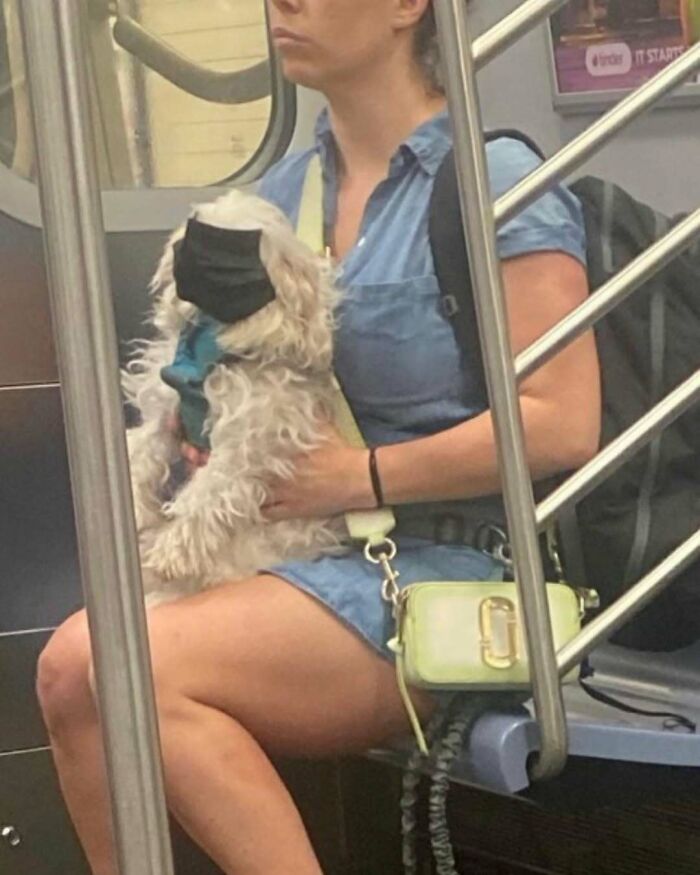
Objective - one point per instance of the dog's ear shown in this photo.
(169, 312)
(298, 324)
(306, 294)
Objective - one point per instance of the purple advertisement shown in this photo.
(614, 45)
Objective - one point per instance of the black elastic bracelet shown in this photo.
(374, 476)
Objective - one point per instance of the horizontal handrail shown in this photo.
(580, 484)
(481, 217)
(511, 28)
(242, 86)
(608, 296)
(575, 153)
(628, 604)
(533, 12)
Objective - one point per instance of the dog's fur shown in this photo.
(266, 409)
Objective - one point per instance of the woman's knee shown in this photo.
(62, 675)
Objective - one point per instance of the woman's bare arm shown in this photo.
(560, 405)
(560, 402)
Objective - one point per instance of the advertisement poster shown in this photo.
(605, 48)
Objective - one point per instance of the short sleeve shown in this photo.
(554, 222)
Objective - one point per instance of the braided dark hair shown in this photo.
(427, 51)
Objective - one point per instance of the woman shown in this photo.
(294, 661)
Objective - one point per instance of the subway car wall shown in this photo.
(146, 195)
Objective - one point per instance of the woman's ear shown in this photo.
(407, 13)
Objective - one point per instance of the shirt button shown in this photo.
(361, 242)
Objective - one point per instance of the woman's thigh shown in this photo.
(281, 664)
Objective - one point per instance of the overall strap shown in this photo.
(310, 227)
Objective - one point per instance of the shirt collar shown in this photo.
(429, 143)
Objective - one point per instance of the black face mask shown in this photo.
(220, 271)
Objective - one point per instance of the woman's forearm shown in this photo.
(462, 462)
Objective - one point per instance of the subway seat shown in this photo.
(497, 754)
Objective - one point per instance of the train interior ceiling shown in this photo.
(629, 799)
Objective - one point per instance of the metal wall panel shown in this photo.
(32, 806)
(26, 346)
(27, 353)
(132, 260)
(39, 577)
(30, 803)
(21, 725)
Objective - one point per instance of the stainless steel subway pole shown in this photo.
(479, 228)
(87, 352)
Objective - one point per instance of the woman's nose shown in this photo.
(289, 6)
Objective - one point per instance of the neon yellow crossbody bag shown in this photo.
(450, 635)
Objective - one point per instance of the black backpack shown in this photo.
(647, 346)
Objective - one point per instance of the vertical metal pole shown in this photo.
(479, 228)
(87, 349)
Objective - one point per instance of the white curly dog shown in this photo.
(270, 400)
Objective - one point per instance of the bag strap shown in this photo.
(373, 526)
(450, 255)
(310, 226)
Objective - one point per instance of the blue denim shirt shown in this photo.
(396, 354)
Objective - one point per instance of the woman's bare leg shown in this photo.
(246, 670)
(76, 741)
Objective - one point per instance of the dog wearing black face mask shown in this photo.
(242, 358)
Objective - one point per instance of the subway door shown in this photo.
(159, 150)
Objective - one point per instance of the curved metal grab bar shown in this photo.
(242, 86)
(481, 217)
(479, 229)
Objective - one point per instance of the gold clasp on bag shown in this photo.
(498, 623)
(588, 600)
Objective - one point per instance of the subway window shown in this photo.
(183, 92)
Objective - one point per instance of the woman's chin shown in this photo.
(299, 73)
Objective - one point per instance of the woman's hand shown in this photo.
(327, 481)
(193, 456)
